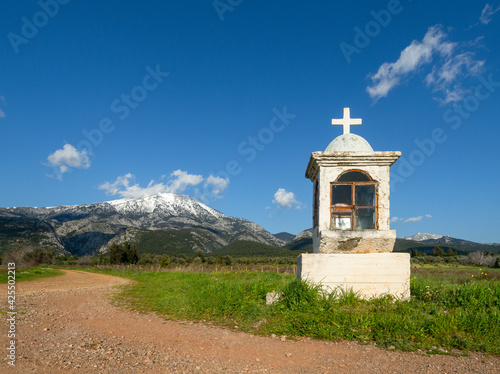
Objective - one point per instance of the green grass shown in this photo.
(449, 308)
(30, 274)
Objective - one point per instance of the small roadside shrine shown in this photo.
(352, 239)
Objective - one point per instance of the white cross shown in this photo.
(347, 121)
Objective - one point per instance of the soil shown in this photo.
(66, 324)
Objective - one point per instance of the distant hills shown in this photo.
(424, 240)
(285, 236)
(168, 224)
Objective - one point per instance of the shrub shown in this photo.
(164, 261)
(40, 256)
(26, 257)
(197, 261)
(479, 258)
(87, 261)
(123, 255)
(147, 259)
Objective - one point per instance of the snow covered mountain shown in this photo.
(433, 238)
(427, 240)
(422, 236)
(180, 220)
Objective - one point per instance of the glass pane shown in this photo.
(364, 195)
(341, 194)
(354, 176)
(365, 218)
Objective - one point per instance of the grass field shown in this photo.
(451, 309)
(30, 274)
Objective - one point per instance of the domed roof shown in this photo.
(349, 143)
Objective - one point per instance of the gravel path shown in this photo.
(68, 326)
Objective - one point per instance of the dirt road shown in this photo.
(69, 326)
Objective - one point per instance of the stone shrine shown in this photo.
(352, 240)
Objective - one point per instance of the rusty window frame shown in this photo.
(351, 209)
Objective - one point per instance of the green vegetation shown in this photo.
(302, 245)
(123, 255)
(30, 274)
(245, 248)
(403, 245)
(449, 309)
(172, 242)
(443, 255)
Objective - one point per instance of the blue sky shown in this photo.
(225, 101)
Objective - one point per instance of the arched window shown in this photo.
(354, 202)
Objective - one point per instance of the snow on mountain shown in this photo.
(86, 229)
(422, 236)
(164, 203)
(440, 239)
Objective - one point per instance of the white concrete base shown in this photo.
(370, 274)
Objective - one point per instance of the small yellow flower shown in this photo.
(472, 274)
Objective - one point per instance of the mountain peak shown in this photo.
(421, 236)
(161, 202)
(91, 228)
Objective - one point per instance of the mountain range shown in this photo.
(425, 240)
(155, 223)
(303, 241)
(164, 223)
(437, 239)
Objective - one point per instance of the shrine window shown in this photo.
(354, 202)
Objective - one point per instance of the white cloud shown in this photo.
(449, 68)
(182, 180)
(2, 101)
(411, 219)
(119, 186)
(411, 58)
(414, 219)
(487, 13)
(217, 184)
(178, 181)
(285, 199)
(66, 158)
(447, 77)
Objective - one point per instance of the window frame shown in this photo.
(350, 210)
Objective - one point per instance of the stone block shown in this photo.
(370, 274)
(273, 297)
(355, 241)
